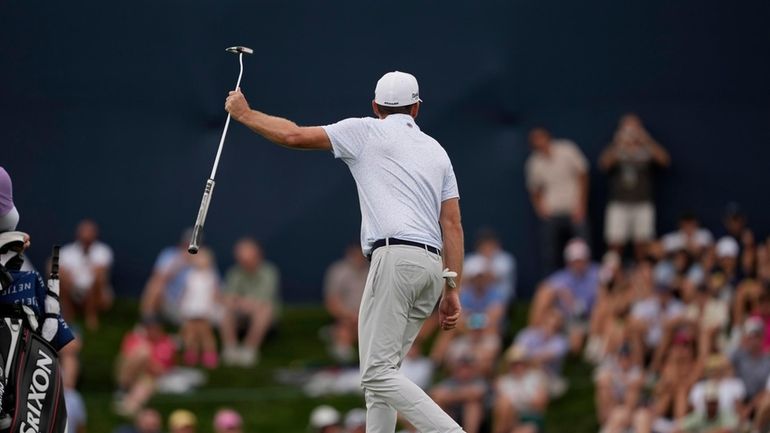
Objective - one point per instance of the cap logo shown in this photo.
(416, 95)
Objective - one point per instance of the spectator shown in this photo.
(164, 289)
(85, 275)
(325, 419)
(736, 226)
(462, 394)
(630, 161)
(521, 396)
(501, 263)
(726, 273)
(690, 237)
(145, 421)
(76, 411)
(146, 353)
(197, 309)
(730, 390)
(343, 288)
(355, 421)
(182, 421)
(546, 346)
(228, 421)
(557, 179)
(618, 390)
(482, 295)
(485, 346)
(711, 419)
(9, 216)
(417, 368)
(251, 295)
(751, 362)
(572, 290)
(651, 315)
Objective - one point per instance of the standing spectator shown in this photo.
(572, 290)
(251, 292)
(85, 275)
(228, 421)
(501, 263)
(521, 396)
(145, 421)
(146, 353)
(343, 288)
(9, 216)
(164, 289)
(198, 310)
(630, 161)
(182, 421)
(557, 179)
(462, 394)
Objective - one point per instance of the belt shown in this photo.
(396, 241)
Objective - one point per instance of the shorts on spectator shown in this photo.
(626, 222)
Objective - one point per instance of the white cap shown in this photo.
(727, 247)
(577, 249)
(474, 266)
(397, 89)
(324, 416)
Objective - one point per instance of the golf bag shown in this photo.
(31, 383)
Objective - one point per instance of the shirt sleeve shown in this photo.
(449, 189)
(102, 256)
(347, 138)
(578, 160)
(531, 175)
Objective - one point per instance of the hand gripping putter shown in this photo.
(209, 190)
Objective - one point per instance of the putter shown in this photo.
(209, 189)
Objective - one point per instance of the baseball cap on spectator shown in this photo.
(397, 89)
(576, 249)
(227, 419)
(324, 416)
(355, 418)
(180, 419)
(474, 267)
(673, 242)
(727, 246)
(754, 325)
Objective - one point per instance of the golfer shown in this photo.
(409, 198)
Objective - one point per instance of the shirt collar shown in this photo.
(402, 118)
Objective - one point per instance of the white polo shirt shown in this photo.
(402, 174)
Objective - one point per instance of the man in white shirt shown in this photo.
(557, 179)
(410, 231)
(85, 275)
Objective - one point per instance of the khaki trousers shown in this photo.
(402, 289)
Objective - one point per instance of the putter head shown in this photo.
(239, 50)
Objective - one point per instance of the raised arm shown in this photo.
(276, 129)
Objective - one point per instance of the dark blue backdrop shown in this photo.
(113, 111)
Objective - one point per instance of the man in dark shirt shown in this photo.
(630, 161)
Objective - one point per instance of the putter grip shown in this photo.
(201, 220)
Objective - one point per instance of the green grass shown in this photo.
(268, 406)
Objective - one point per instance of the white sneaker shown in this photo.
(247, 357)
(230, 356)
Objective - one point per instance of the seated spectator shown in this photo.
(652, 315)
(145, 421)
(545, 344)
(691, 236)
(343, 288)
(355, 421)
(521, 396)
(163, 292)
(417, 368)
(711, 419)
(726, 272)
(736, 227)
(198, 311)
(573, 290)
(462, 394)
(618, 390)
(752, 363)
(325, 419)
(609, 317)
(146, 353)
(182, 421)
(630, 161)
(481, 295)
(228, 421)
(250, 295)
(501, 263)
(730, 390)
(76, 411)
(85, 275)
(485, 346)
